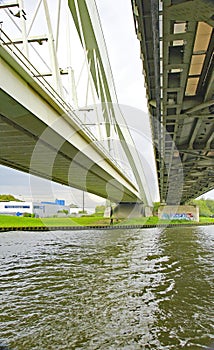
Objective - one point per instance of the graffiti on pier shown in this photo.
(177, 216)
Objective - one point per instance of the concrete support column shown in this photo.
(179, 212)
(131, 210)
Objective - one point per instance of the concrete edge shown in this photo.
(107, 227)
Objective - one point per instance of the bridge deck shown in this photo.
(177, 43)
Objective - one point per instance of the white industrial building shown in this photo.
(40, 209)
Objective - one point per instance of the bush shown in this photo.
(82, 212)
(28, 215)
(206, 206)
(100, 209)
(64, 211)
(156, 206)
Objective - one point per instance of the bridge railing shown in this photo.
(9, 46)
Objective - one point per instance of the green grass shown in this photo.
(90, 220)
(14, 221)
(204, 219)
(153, 220)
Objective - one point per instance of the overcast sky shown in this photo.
(124, 53)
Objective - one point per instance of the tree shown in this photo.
(8, 198)
(100, 209)
(210, 205)
(156, 205)
(206, 206)
(64, 211)
(72, 205)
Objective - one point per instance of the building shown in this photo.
(39, 209)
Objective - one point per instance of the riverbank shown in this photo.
(9, 223)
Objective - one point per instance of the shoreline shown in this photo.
(99, 227)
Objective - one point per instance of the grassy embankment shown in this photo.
(13, 221)
(153, 220)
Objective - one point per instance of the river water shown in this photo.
(107, 289)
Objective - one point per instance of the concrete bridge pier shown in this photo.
(179, 212)
(131, 210)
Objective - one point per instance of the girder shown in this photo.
(183, 59)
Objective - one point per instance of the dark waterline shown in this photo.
(118, 289)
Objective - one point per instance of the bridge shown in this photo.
(46, 130)
(49, 129)
(176, 43)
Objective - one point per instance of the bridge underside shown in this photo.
(41, 151)
(177, 45)
(37, 136)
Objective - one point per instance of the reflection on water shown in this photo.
(136, 289)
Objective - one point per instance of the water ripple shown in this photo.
(143, 289)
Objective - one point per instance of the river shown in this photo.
(107, 289)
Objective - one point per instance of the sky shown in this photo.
(124, 54)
